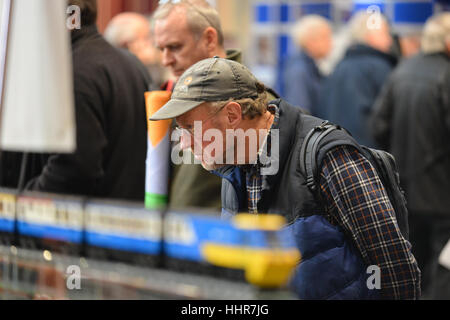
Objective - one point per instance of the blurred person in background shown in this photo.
(186, 32)
(109, 87)
(350, 92)
(406, 44)
(132, 31)
(412, 121)
(301, 77)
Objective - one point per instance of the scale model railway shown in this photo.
(255, 248)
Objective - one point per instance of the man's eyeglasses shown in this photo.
(190, 129)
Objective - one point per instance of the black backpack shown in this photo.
(383, 162)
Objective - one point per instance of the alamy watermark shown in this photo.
(73, 22)
(214, 148)
(374, 280)
(73, 281)
(74, 19)
(375, 20)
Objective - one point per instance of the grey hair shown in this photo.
(364, 22)
(436, 33)
(251, 108)
(199, 13)
(305, 27)
(118, 34)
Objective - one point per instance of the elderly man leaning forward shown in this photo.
(340, 237)
(186, 32)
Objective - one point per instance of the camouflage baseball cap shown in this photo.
(209, 80)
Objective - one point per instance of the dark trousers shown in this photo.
(428, 236)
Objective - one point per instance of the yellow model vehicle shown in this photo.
(262, 248)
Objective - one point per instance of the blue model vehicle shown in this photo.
(123, 232)
(184, 234)
(51, 222)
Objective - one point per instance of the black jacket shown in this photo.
(412, 121)
(111, 124)
(348, 95)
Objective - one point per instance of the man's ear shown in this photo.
(212, 39)
(233, 112)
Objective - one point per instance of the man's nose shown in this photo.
(167, 58)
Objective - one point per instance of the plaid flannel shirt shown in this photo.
(252, 172)
(356, 200)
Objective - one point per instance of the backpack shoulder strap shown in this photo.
(308, 152)
(273, 93)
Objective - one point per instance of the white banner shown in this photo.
(444, 257)
(38, 113)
